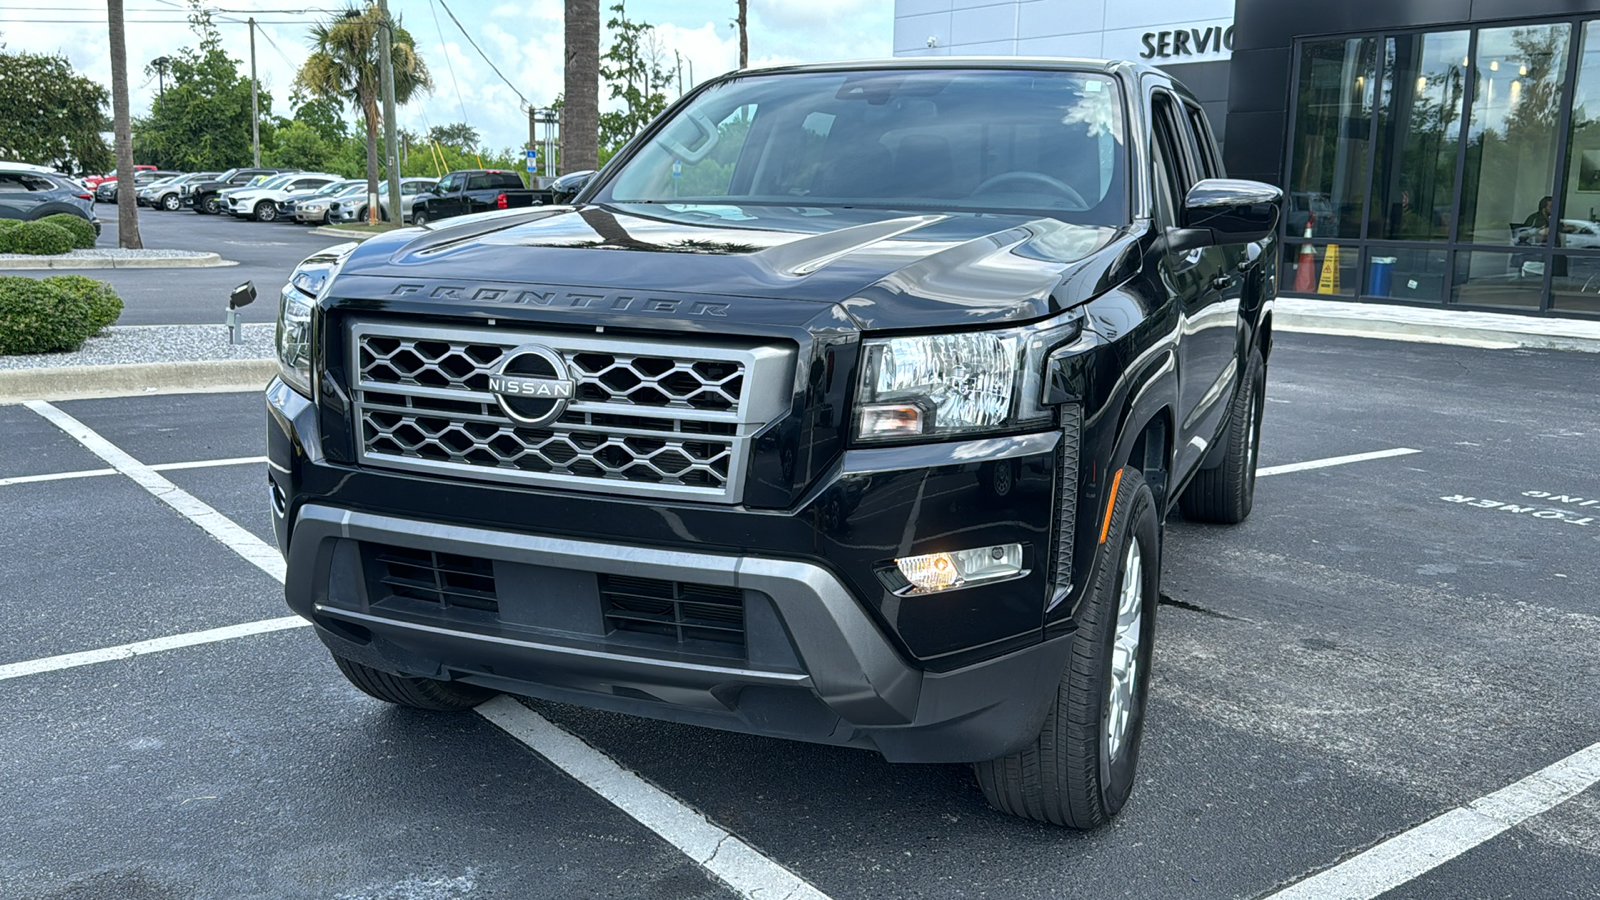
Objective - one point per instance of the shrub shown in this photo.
(38, 238)
(82, 230)
(104, 304)
(37, 317)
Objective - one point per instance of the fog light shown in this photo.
(942, 571)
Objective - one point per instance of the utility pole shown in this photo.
(391, 157)
(127, 193)
(255, 109)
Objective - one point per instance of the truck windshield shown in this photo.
(1049, 142)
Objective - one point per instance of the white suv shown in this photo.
(261, 202)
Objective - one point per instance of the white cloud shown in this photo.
(525, 40)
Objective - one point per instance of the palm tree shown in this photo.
(580, 106)
(344, 67)
(127, 196)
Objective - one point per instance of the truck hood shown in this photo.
(888, 269)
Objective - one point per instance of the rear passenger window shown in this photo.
(505, 180)
(1205, 147)
(479, 183)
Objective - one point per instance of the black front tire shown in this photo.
(417, 693)
(419, 217)
(266, 211)
(207, 205)
(1226, 493)
(171, 203)
(1076, 773)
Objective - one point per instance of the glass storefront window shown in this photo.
(1328, 175)
(1511, 135)
(1419, 130)
(1499, 279)
(1575, 286)
(1580, 226)
(1406, 273)
(1327, 269)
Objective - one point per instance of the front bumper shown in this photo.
(828, 654)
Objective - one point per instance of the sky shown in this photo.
(523, 39)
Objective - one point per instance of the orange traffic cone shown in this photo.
(1305, 276)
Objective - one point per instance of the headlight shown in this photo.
(948, 385)
(296, 306)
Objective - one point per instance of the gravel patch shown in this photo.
(153, 343)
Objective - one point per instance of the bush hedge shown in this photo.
(39, 238)
(105, 307)
(51, 314)
(82, 230)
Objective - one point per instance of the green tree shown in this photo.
(635, 70)
(456, 134)
(202, 122)
(50, 115)
(322, 114)
(297, 145)
(344, 65)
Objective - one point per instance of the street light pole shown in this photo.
(255, 109)
(386, 72)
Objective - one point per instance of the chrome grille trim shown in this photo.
(651, 418)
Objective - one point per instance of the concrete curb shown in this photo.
(197, 261)
(133, 380)
(347, 235)
(1403, 323)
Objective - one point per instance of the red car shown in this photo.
(93, 181)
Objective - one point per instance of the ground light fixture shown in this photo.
(962, 568)
(243, 295)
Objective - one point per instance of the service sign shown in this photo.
(1176, 43)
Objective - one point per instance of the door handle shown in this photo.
(1222, 282)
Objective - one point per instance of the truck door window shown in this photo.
(1168, 181)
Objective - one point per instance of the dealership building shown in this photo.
(1441, 153)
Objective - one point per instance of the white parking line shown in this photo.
(1412, 854)
(739, 865)
(1333, 461)
(154, 645)
(158, 467)
(736, 863)
(254, 550)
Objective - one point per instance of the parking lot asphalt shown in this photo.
(1381, 643)
(266, 252)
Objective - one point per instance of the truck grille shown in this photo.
(683, 612)
(644, 417)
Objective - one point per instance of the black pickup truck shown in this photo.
(845, 405)
(474, 191)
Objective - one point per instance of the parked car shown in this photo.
(410, 190)
(291, 202)
(106, 191)
(261, 202)
(204, 196)
(473, 191)
(29, 194)
(327, 208)
(168, 195)
(93, 181)
(863, 438)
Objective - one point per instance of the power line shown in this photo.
(483, 54)
(449, 66)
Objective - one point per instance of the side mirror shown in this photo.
(567, 186)
(1227, 211)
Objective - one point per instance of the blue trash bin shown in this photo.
(1379, 276)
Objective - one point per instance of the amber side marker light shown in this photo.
(1105, 527)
